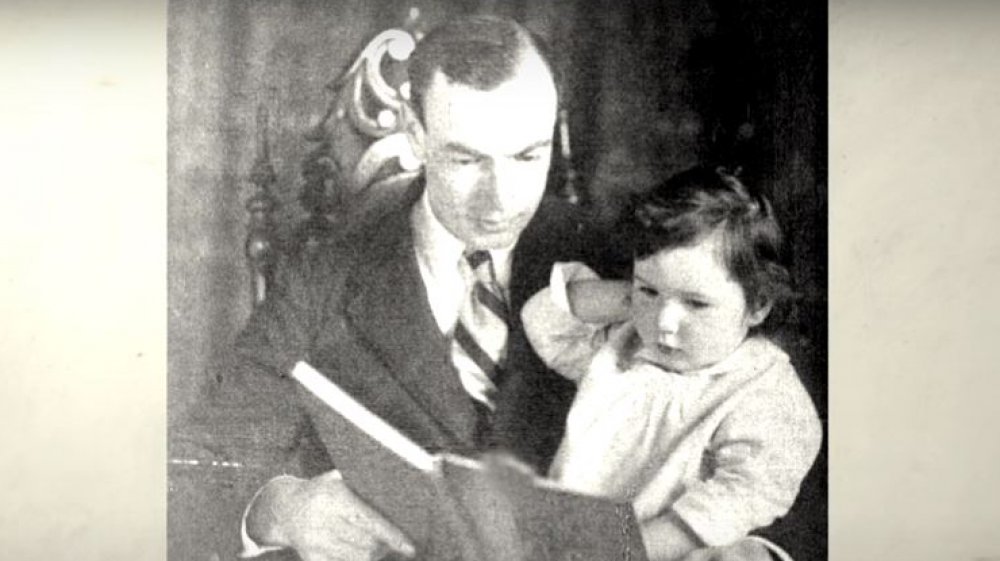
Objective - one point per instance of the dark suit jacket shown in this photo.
(357, 310)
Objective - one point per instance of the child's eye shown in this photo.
(697, 304)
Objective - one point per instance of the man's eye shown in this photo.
(529, 157)
(647, 291)
(464, 161)
(697, 304)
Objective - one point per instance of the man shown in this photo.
(398, 310)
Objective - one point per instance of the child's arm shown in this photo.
(598, 300)
(760, 454)
(565, 322)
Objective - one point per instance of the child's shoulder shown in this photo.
(776, 376)
(758, 355)
(770, 350)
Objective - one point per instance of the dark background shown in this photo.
(650, 88)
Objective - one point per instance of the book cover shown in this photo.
(463, 509)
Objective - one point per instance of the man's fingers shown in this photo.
(353, 545)
(340, 523)
(346, 540)
(339, 551)
(385, 532)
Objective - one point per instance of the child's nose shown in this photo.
(669, 318)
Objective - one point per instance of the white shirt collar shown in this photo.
(439, 255)
(436, 247)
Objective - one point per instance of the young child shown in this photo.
(683, 406)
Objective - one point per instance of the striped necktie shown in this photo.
(480, 337)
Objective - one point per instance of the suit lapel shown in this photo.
(388, 309)
(533, 402)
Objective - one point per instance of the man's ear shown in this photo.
(414, 130)
(758, 316)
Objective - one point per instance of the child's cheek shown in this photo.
(635, 308)
(644, 319)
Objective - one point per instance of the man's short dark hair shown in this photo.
(694, 203)
(479, 51)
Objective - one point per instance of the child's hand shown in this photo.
(599, 301)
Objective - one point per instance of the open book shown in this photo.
(457, 508)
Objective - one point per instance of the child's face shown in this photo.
(687, 309)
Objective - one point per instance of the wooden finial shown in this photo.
(260, 244)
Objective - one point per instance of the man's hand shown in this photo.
(322, 520)
(743, 550)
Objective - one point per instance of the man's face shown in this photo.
(486, 154)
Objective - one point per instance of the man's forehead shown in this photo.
(522, 109)
(530, 76)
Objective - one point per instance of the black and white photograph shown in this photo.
(497, 280)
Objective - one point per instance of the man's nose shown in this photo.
(495, 186)
(670, 316)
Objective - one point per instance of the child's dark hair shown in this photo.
(694, 203)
